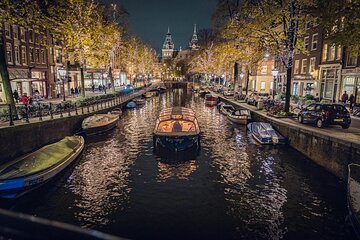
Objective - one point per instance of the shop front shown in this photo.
(351, 83)
(330, 76)
(303, 85)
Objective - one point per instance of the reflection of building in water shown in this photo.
(177, 170)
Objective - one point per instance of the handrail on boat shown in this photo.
(22, 226)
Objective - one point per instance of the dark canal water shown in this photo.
(233, 189)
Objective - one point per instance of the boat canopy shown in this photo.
(177, 119)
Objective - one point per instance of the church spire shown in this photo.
(194, 40)
(168, 46)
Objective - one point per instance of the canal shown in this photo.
(231, 189)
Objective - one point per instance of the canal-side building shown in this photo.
(330, 71)
(261, 78)
(305, 75)
(168, 46)
(29, 60)
(350, 79)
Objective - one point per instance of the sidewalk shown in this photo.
(106, 104)
(351, 135)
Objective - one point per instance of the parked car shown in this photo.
(255, 97)
(325, 114)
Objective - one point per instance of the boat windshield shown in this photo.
(176, 126)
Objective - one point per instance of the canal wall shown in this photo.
(332, 153)
(20, 139)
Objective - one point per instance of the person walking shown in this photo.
(344, 97)
(25, 99)
(76, 92)
(352, 102)
(104, 87)
(100, 88)
(72, 92)
(93, 88)
(16, 96)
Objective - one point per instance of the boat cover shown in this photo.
(44, 158)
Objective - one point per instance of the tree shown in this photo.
(25, 13)
(274, 27)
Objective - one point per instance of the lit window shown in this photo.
(22, 34)
(32, 55)
(314, 41)
(262, 86)
(332, 53)
(15, 32)
(306, 43)
(324, 53)
(304, 66)
(296, 67)
(9, 52)
(37, 55)
(338, 52)
(17, 55)
(312, 64)
(264, 69)
(23, 55)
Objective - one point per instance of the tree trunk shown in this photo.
(6, 79)
(236, 84)
(288, 88)
(82, 81)
(111, 80)
(247, 80)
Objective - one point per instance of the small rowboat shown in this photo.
(264, 133)
(99, 123)
(25, 173)
(353, 197)
(241, 116)
(226, 109)
(211, 100)
(139, 101)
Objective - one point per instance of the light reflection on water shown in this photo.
(231, 189)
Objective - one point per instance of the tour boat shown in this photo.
(130, 105)
(211, 100)
(177, 129)
(241, 116)
(353, 197)
(25, 173)
(99, 123)
(225, 109)
(264, 133)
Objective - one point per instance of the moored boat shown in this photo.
(203, 92)
(25, 173)
(264, 133)
(116, 111)
(139, 101)
(225, 109)
(99, 123)
(211, 100)
(353, 197)
(241, 116)
(130, 105)
(177, 129)
(161, 89)
(150, 94)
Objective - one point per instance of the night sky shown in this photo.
(149, 19)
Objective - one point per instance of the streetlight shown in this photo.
(241, 82)
(62, 73)
(274, 72)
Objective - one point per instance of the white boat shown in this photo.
(139, 101)
(241, 116)
(264, 133)
(99, 123)
(353, 197)
(226, 109)
(25, 173)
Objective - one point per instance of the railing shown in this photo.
(21, 226)
(48, 111)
